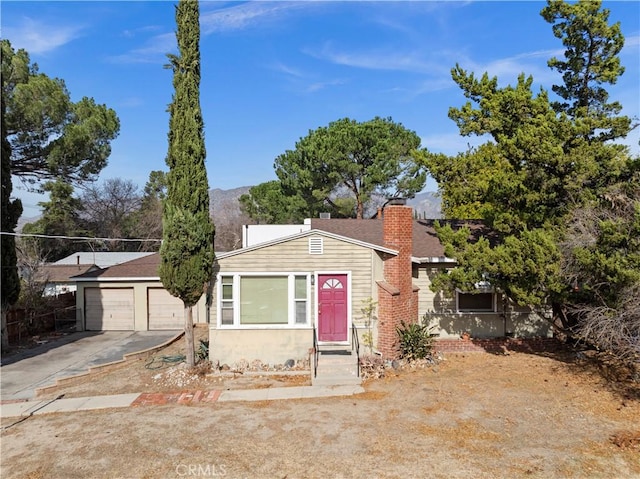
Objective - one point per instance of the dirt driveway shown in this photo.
(473, 416)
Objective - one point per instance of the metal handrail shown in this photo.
(316, 352)
(355, 342)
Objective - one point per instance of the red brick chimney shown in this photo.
(397, 298)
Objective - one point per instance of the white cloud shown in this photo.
(143, 30)
(631, 42)
(287, 70)
(154, 51)
(507, 69)
(245, 15)
(322, 85)
(38, 37)
(377, 59)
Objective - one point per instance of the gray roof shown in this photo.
(101, 258)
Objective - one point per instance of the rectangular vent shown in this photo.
(316, 245)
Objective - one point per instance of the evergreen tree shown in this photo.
(60, 217)
(590, 61)
(187, 248)
(50, 136)
(376, 156)
(10, 212)
(266, 203)
(546, 162)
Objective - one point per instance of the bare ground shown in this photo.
(477, 415)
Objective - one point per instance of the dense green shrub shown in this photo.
(415, 341)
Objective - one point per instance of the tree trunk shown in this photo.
(188, 337)
(359, 209)
(5, 331)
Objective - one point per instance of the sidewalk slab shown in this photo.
(29, 408)
(15, 409)
(297, 392)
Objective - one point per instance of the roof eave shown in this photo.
(304, 234)
(432, 259)
(120, 279)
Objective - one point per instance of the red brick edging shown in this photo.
(497, 345)
(184, 397)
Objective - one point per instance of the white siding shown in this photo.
(293, 256)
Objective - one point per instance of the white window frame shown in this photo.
(291, 302)
(494, 303)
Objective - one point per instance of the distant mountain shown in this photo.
(427, 205)
(225, 206)
(23, 221)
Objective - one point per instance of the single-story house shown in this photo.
(102, 259)
(58, 278)
(268, 300)
(130, 296)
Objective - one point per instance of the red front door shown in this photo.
(332, 307)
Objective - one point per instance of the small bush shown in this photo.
(415, 341)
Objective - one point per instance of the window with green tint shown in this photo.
(226, 313)
(264, 300)
(301, 287)
(301, 299)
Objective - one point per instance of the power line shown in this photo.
(78, 237)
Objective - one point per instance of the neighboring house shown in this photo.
(130, 296)
(256, 234)
(268, 298)
(58, 278)
(103, 259)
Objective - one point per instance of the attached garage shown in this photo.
(130, 297)
(165, 311)
(109, 309)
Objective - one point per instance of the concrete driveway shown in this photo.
(21, 374)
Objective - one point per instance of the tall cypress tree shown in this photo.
(187, 248)
(10, 211)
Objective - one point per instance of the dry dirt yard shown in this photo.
(154, 374)
(477, 415)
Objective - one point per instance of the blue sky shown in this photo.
(272, 71)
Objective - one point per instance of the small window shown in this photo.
(478, 302)
(226, 305)
(300, 299)
(316, 245)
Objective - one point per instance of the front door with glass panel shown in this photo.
(332, 307)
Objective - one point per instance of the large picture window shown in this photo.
(263, 300)
(475, 302)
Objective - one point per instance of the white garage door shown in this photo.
(108, 309)
(165, 311)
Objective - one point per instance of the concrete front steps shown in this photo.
(337, 366)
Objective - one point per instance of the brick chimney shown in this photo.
(397, 297)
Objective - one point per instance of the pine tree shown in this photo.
(187, 249)
(10, 212)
